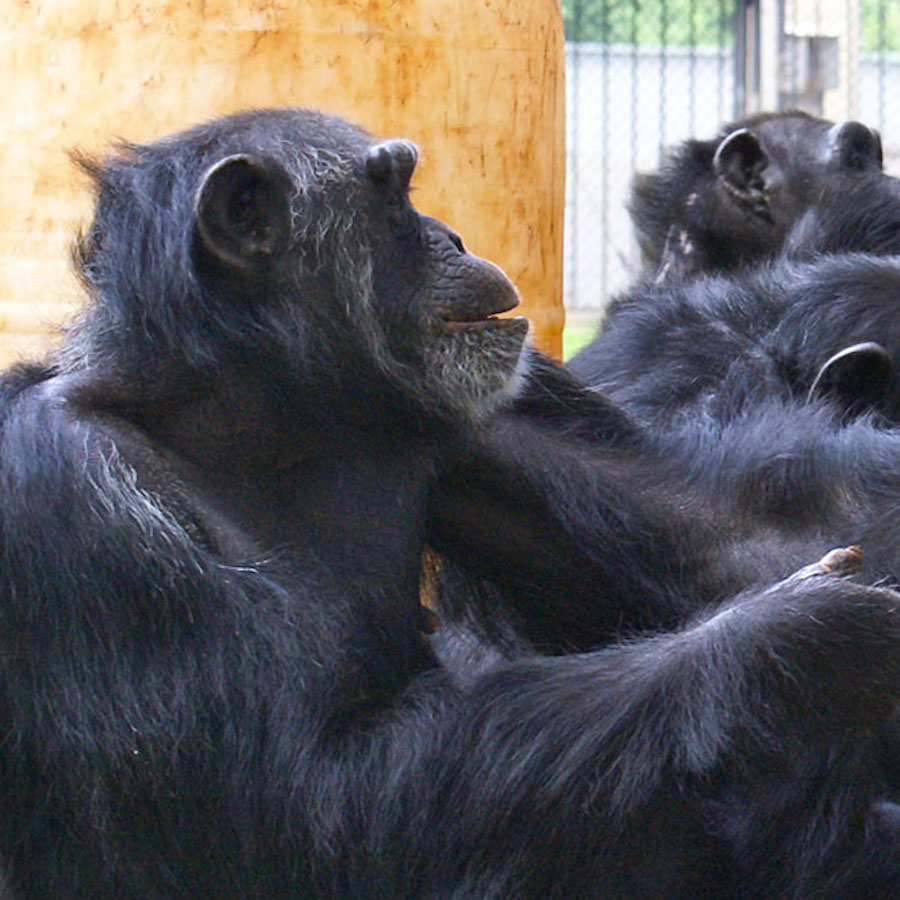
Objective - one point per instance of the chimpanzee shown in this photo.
(214, 679)
(824, 188)
(779, 328)
(713, 347)
(751, 368)
(740, 377)
(722, 203)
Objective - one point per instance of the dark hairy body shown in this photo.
(758, 403)
(214, 680)
(731, 435)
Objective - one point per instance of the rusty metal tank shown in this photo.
(478, 84)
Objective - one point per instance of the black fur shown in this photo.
(728, 384)
(708, 347)
(577, 546)
(714, 346)
(569, 524)
(212, 677)
(860, 213)
(558, 545)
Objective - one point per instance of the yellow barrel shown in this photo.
(478, 84)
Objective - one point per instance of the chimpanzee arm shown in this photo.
(184, 707)
(554, 397)
(583, 540)
(632, 743)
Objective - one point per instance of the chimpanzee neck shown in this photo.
(265, 475)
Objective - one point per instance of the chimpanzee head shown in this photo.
(725, 202)
(286, 239)
(850, 214)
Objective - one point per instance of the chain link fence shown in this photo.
(643, 75)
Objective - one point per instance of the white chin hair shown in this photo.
(514, 386)
(477, 379)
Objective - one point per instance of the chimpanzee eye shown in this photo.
(457, 242)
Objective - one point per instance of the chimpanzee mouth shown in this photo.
(475, 317)
(457, 324)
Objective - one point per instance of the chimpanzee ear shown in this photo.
(738, 161)
(243, 210)
(854, 146)
(857, 378)
(390, 165)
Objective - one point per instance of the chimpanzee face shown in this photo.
(439, 303)
(403, 283)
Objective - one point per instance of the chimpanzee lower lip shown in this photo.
(511, 323)
(470, 312)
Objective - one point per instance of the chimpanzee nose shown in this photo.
(855, 146)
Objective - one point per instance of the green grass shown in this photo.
(576, 334)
